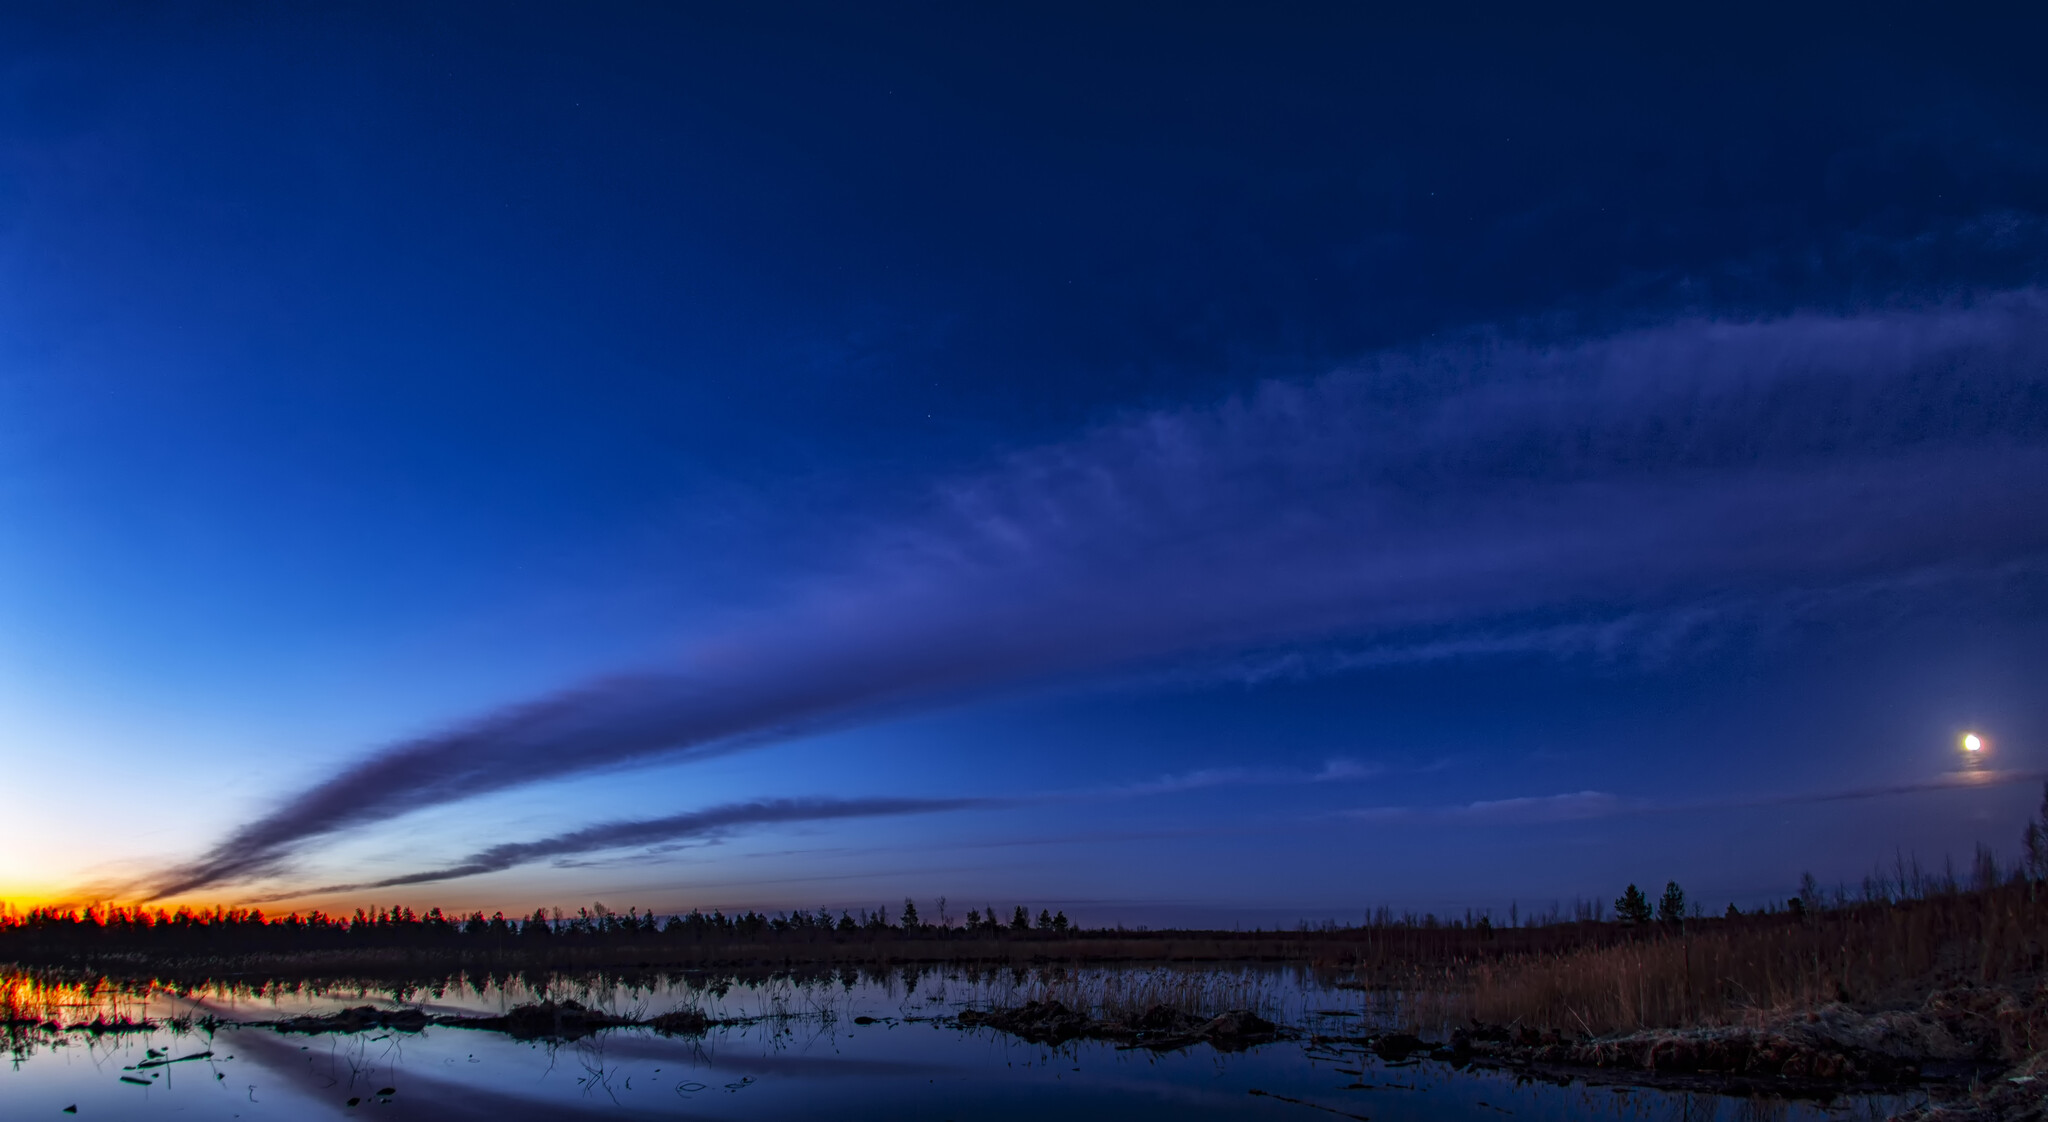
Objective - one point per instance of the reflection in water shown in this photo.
(845, 1043)
(900, 990)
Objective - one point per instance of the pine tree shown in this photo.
(1671, 906)
(1632, 908)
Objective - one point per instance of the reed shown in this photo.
(1125, 995)
(1747, 969)
(1906, 935)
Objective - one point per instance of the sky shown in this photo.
(1226, 467)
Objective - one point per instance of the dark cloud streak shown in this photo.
(695, 825)
(1429, 488)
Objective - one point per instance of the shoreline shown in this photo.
(1959, 1048)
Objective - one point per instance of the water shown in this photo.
(798, 1054)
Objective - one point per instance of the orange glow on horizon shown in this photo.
(14, 901)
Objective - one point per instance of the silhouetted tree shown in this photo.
(1020, 920)
(1059, 921)
(1983, 869)
(1734, 912)
(2037, 842)
(1671, 906)
(910, 920)
(1632, 908)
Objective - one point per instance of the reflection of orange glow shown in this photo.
(29, 998)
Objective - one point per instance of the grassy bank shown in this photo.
(1604, 978)
(1745, 969)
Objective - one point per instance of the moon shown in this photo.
(1972, 742)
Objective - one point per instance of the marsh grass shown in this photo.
(1735, 971)
(1123, 995)
(1904, 937)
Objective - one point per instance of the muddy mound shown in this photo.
(1958, 1034)
(1750, 1054)
(358, 1019)
(1164, 1018)
(681, 1022)
(1161, 1026)
(545, 1020)
(1040, 1022)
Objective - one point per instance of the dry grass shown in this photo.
(1125, 994)
(1905, 939)
(1748, 969)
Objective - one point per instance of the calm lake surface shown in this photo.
(798, 1054)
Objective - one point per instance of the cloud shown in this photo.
(660, 836)
(1433, 489)
(1332, 771)
(1570, 807)
(1948, 781)
(698, 825)
(1641, 637)
(1581, 805)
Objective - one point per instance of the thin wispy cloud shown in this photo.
(1332, 771)
(1568, 807)
(1581, 805)
(656, 838)
(699, 826)
(1648, 637)
(1440, 488)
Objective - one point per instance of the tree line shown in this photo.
(65, 931)
(247, 930)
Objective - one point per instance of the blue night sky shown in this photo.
(1218, 466)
